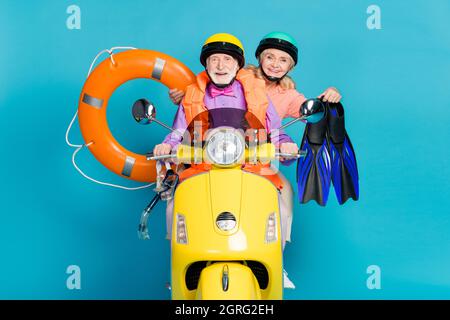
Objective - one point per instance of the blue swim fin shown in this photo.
(314, 169)
(344, 170)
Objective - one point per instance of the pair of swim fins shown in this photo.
(329, 158)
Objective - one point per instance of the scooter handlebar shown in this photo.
(264, 152)
(151, 156)
(297, 155)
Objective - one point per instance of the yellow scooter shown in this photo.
(226, 235)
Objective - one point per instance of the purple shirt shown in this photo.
(237, 100)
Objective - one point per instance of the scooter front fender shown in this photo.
(228, 281)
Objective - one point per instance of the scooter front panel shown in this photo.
(251, 199)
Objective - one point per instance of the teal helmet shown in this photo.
(281, 41)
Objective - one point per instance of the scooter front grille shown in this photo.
(194, 270)
(193, 274)
(260, 272)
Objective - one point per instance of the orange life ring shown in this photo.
(97, 90)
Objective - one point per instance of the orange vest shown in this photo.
(254, 92)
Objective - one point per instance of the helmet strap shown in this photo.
(270, 78)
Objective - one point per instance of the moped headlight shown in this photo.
(226, 221)
(225, 146)
(271, 228)
(181, 229)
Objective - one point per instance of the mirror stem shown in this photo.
(291, 122)
(161, 124)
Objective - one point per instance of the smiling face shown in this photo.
(275, 63)
(222, 68)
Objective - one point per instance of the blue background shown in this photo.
(395, 87)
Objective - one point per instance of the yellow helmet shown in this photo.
(223, 43)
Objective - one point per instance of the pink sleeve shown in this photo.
(295, 103)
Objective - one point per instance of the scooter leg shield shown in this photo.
(228, 281)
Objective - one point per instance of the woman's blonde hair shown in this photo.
(285, 83)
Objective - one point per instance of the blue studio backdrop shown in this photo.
(389, 59)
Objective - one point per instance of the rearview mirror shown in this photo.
(144, 112)
(312, 110)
